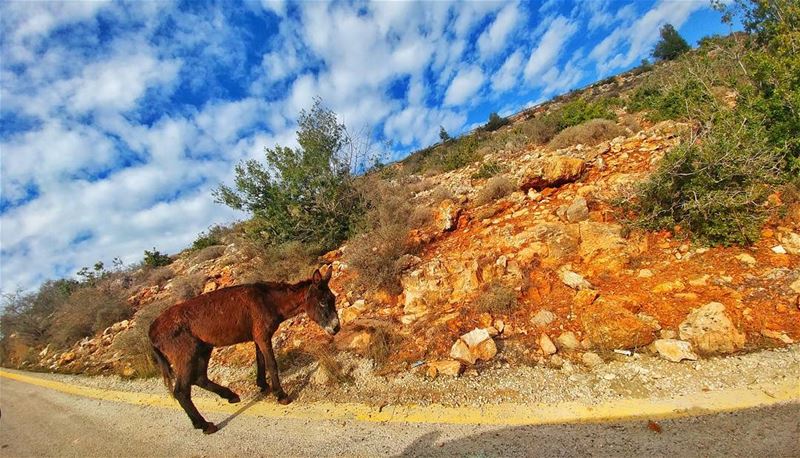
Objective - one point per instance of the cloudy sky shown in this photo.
(118, 119)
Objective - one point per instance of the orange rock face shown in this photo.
(610, 326)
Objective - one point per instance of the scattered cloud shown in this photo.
(117, 121)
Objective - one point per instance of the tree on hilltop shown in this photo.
(671, 44)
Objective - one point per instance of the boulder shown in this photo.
(568, 341)
(555, 172)
(444, 367)
(674, 350)
(447, 215)
(610, 326)
(543, 318)
(577, 211)
(711, 331)
(547, 346)
(590, 359)
(790, 242)
(474, 345)
(460, 351)
(574, 280)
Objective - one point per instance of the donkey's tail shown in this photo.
(166, 369)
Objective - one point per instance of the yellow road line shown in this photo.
(500, 414)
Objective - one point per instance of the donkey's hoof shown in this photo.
(234, 400)
(210, 428)
(283, 400)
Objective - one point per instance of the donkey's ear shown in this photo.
(317, 277)
(328, 273)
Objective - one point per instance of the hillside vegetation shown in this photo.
(626, 215)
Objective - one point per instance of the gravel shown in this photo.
(637, 376)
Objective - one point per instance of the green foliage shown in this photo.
(453, 155)
(210, 238)
(580, 110)
(715, 185)
(303, 194)
(29, 315)
(156, 259)
(487, 169)
(443, 135)
(671, 44)
(495, 122)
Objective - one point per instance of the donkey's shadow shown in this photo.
(257, 398)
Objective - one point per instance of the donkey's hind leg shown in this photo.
(261, 376)
(201, 376)
(184, 362)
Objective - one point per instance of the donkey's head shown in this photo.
(320, 302)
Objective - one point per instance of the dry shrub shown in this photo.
(375, 254)
(381, 346)
(440, 194)
(589, 133)
(416, 184)
(208, 253)
(631, 123)
(496, 298)
(421, 216)
(158, 275)
(286, 262)
(134, 343)
(188, 286)
(539, 130)
(494, 189)
(327, 362)
(86, 312)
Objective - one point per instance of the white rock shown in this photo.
(675, 350)
(746, 259)
(547, 345)
(779, 249)
(567, 340)
(475, 337)
(591, 359)
(543, 318)
(574, 280)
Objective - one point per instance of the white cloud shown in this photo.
(634, 40)
(465, 84)
(550, 47)
(493, 39)
(509, 73)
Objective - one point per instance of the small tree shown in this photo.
(301, 194)
(671, 44)
(443, 135)
(495, 122)
(156, 259)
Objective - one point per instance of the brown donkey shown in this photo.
(184, 335)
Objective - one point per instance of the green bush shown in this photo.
(487, 170)
(541, 129)
(714, 188)
(156, 259)
(671, 44)
(214, 236)
(453, 155)
(495, 122)
(303, 194)
(579, 111)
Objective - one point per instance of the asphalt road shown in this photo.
(38, 421)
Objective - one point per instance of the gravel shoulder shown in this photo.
(621, 377)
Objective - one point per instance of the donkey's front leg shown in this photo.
(261, 378)
(265, 345)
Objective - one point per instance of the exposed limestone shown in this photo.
(777, 335)
(577, 211)
(574, 280)
(444, 367)
(447, 216)
(610, 326)
(568, 341)
(555, 172)
(543, 318)
(710, 330)
(474, 345)
(547, 346)
(790, 241)
(585, 297)
(674, 350)
(746, 259)
(590, 359)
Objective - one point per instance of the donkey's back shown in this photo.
(223, 317)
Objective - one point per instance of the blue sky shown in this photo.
(118, 119)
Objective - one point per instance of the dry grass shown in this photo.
(381, 346)
(287, 262)
(158, 275)
(539, 130)
(589, 133)
(208, 253)
(134, 343)
(86, 312)
(441, 194)
(188, 286)
(495, 188)
(496, 298)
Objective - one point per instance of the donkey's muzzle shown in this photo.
(333, 327)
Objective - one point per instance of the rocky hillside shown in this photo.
(545, 274)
